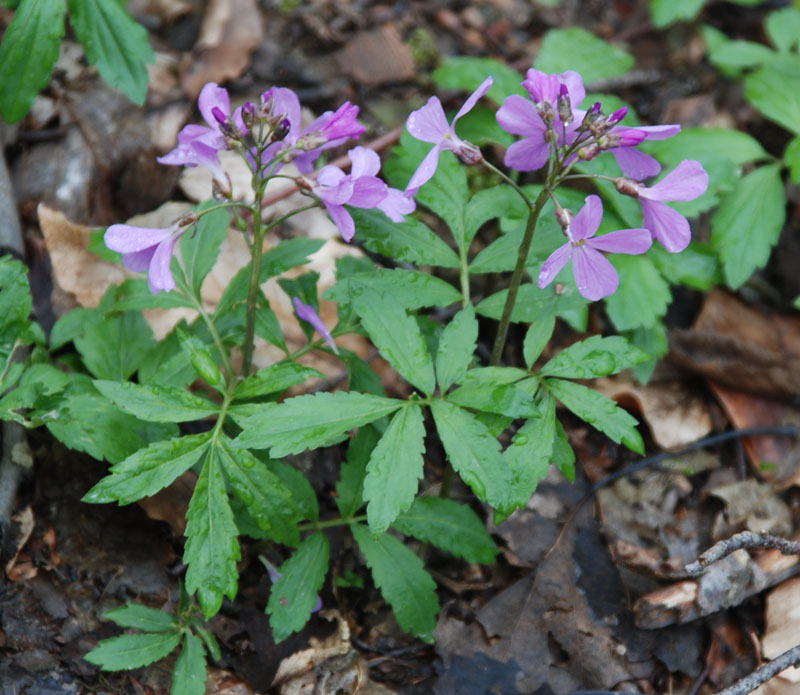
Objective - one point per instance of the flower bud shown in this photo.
(545, 111)
(627, 186)
(469, 153)
(591, 117)
(589, 152)
(564, 217)
(564, 106)
(188, 219)
(303, 183)
(249, 115)
(221, 190)
(617, 116)
(281, 129)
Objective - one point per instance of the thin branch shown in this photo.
(761, 675)
(745, 539)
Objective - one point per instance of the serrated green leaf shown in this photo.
(308, 422)
(15, 299)
(294, 595)
(598, 411)
(115, 43)
(134, 294)
(396, 335)
(537, 337)
(303, 495)
(576, 49)
(493, 376)
(489, 204)
(200, 247)
(775, 91)
(212, 547)
(448, 525)
(149, 470)
(501, 399)
(653, 341)
(156, 403)
(456, 347)
(596, 356)
(166, 364)
(748, 223)
(363, 378)
(783, 28)
(142, 617)
(530, 452)
(269, 502)
(275, 379)
(643, 295)
(666, 12)
(699, 143)
(28, 53)
(394, 469)
(466, 73)
(696, 266)
(402, 580)
(189, 675)
(532, 303)
(349, 489)
(563, 455)
(412, 289)
(115, 347)
(210, 642)
(132, 651)
(473, 452)
(791, 156)
(411, 241)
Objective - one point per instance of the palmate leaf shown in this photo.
(513, 400)
(114, 347)
(132, 651)
(308, 422)
(448, 525)
(402, 580)
(212, 547)
(456, 347)
(598, 411)
(28, 53)
(473, 452)
(189, 675)
(115, 43)
(394, 469)
(275, 379)
(155, 403)
(594, 357)
(142, 617)
(294, 595)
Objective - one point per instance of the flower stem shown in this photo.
(519, 270)
(508, 180)
(257, 251)
(317, 525)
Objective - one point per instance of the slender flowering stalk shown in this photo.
(307, 313)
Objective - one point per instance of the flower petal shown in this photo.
(396, 204)
(365, 162)
(686, 181)
(634, 164)
(586, 223)
(126, 239)
(342, 219)
(518, 116)
(368, 191)
(541, 86)
(574, 84)
(659, 132)
(213, 96)
(429, 123)
(553, 265)
(595, 277)
(469, 104)
(527, 154)
(667, 225)
(330, 176)
(160, 276)
(425, 170)
(139, 261)
(633, 241)
(339, 194)
(307, 313)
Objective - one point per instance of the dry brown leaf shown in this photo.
(21, 571)
(377, 56)
(230, 32)
(783, 625)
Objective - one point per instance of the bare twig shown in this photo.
(761, 675)
(745, 539)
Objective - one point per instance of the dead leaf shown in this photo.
(21, 571)
(783, 625)
(377, 56)
(231, 31)
(753, 506)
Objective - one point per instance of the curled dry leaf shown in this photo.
(783, 626)
(21, 571)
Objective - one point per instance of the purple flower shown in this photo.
(634, 164)
(429, 124)
(146, 249)
(595, 277)
(307, 313)
(360, 188)
(686, 182)
(331, 129)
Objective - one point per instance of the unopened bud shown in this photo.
(564, 105)
(617, 116)
(221, 190)
(589, 152)
(545, 111)
(219, 115)
(282, 129)
(249, 115)
(469, 153)
(564, 217)
(303, 183)
(188, 219)
(591, 117)
(627, 186)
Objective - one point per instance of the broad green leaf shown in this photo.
(576, 49)
(502, 399)
(563, 455)
(156, 403)
(352, 472)
(748, 223)
(402, 580)
(696, 266)
(643, 295)
(269, 502)
(698, 143)
(448, 525)
(532, 303)
(489, 204)
(783, 28)
(303, 495)
(501, 255)
(134, 294)
(268, 326)
(653, 341)
(275, 379)
(28, 53)
(456, 347)
(200, 247)
(598, 411)
(411, 241)
(473, 452)
(739, 54)
(530, 452)
(132, 651)
(294, 595)
(412, 289)
(775, 91)
(212, 548)
(537, 337)
(396, 335)
(466, 73)
(394, 469)
(166, 364)
(666, 12)
(189, 675)
(493, 376)
(289, 254)
(115, 347)
(115, 43)
(593, 357)
(480, 127)
(363, 378)
(308, 422)
(149, 470)
(15, 298)
(142, 617)
(791, 156)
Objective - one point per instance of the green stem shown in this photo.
(519, 270)
(226, 363)
(318, 525)
(259, 231)
(508, 180)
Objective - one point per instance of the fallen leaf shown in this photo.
(22, 571)
(783, 625)
(377, 56)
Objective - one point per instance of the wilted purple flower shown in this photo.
(306, 312)
(686, 182)
(595, 277)
(145, 249)
(360, 188)
(429, 124)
